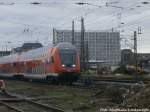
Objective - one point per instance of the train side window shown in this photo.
(51, 59)
(14, 64)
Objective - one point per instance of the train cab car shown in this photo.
(69, 58)
(67, 61)
(64, 63)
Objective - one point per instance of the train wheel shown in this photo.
(18, 77)
(52, 80)
(30, 80)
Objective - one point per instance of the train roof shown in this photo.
(65, 45)
(34, 53)
(25, 55)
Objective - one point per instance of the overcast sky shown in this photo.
(22, 22)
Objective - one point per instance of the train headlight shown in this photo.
(73, 65)
(63, 65)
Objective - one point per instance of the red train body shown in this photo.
(61, 61)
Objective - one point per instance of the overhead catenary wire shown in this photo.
(60, 25)
(113, 15)
(67, 24)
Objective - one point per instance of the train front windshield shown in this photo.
(68, 58)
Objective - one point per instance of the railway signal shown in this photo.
(2, 86)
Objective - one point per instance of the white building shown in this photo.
(103, 46)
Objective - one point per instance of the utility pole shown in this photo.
(139, 30)
(73, 42)
(135, 53)
(87, 55)
(82, 54)
(54, 37)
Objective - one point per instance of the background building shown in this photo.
(143, 59)
(4, 53)
(101, 47)
(127, 57)
(26, 46)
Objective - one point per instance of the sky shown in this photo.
(21, 21)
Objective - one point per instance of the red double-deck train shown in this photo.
(60, 62)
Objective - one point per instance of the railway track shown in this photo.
(20, 104)
(94, 84)
(110, 79)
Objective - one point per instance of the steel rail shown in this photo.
(15, 98)
(11, 107)
(55, 109)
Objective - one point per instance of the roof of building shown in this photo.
(28, 46)
(18, 49)
(31, 45)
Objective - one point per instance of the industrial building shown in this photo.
(4, 53)
(26, 47)
(128, 58)
(102, 47)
